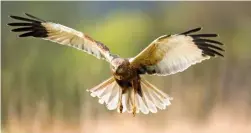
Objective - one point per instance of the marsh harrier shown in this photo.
(125, 90)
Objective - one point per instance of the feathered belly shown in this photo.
(124, 85)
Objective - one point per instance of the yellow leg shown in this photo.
(136, 88)
(120, 106)
(134, 108)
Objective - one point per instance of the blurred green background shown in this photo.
(44, 84)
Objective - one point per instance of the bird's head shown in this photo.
(119, 66)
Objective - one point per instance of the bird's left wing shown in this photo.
(170, 54)
(35, 27)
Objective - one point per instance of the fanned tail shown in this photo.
(151, 100)
(107, 92)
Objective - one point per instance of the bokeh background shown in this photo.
(44, 84)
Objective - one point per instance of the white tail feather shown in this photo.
(151, 99)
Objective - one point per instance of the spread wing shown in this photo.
(35, 27)
(170, 54)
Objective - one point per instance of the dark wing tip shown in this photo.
(12, 16)
(25, 19)
(191, 31)
(198, 29)
(31, 27)
(27, 14)
(36, 18)
(199, 40)
(208, 47)
(203, 35)
(210, 52)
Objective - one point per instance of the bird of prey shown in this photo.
(126, 90)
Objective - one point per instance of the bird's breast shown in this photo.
(126, 74)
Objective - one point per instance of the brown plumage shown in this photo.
(126, 91)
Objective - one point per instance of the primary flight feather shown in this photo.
(58, 33)
(126, 91)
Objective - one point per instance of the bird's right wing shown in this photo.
(60, 34)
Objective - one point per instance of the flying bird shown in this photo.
(126, 90)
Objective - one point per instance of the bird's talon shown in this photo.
(120, 108)
(134, 111)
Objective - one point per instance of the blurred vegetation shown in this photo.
(40, 75)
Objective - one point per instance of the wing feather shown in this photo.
(170, 54)
(36, 27)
